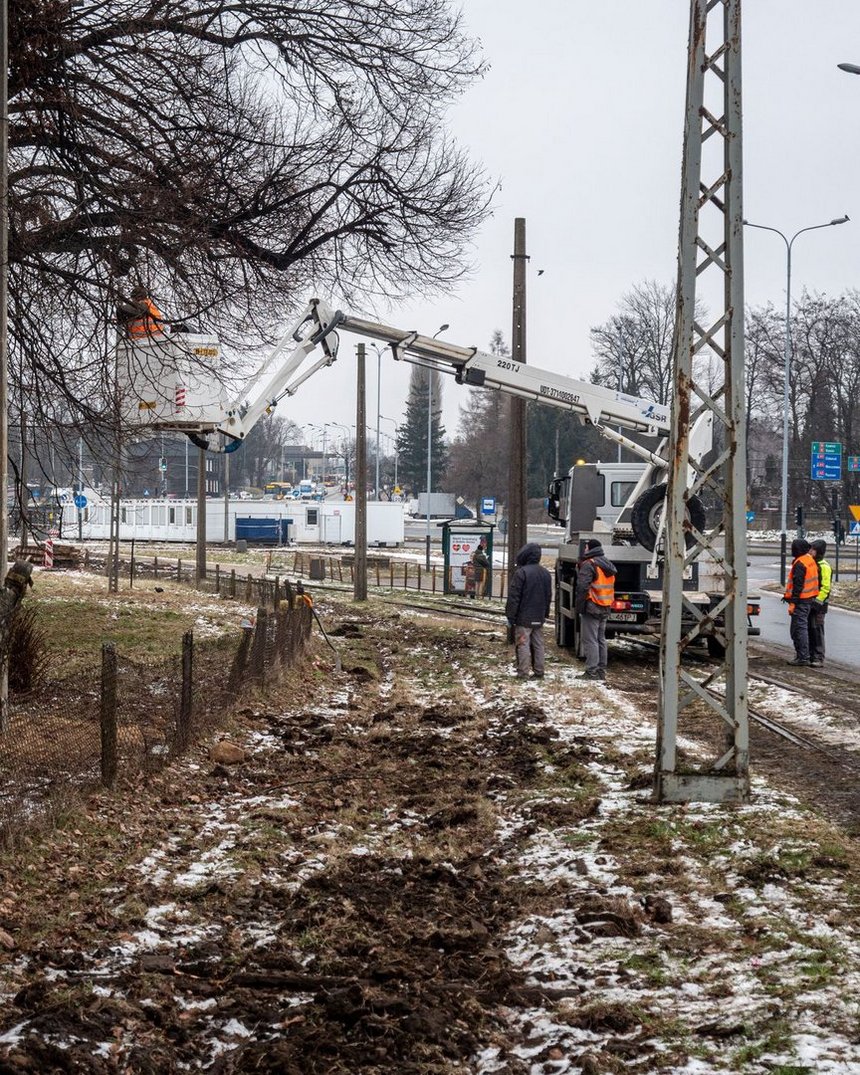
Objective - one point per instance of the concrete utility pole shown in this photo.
(226, 496)
(360, 581)
(200, 565)
(710, 249)
(517, 504)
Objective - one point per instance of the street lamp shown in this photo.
(379, 351)
(345, 446)
(396, 450)
(441, 328)
(786, 371)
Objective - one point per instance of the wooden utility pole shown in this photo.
(360, 582)
(517, 505)
(200, 569)
(4, 342)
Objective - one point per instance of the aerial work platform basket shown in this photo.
(171, 382)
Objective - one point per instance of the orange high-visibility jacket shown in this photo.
(602, 589)
(150, 322)
(810, 579)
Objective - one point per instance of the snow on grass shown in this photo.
(757, 942)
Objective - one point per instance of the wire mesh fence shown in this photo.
(127, 718)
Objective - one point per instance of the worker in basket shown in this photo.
(139, 316)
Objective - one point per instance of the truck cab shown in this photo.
(613, 503)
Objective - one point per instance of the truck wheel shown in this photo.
(645, 517)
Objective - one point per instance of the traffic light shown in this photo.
(798, 516)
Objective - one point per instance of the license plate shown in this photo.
(624, 617)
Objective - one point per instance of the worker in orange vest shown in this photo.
(140, 316)
(595, 592)
(801, 590)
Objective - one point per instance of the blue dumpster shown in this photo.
(263, 530)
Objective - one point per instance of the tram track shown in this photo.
(763, 720)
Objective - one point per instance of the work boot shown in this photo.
(797, 662)
(601, 672)
(589, 675)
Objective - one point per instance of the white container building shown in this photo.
(310, 522)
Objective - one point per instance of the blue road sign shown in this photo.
(488, 505)
(854, 530)
(826, 461)
(854, 462)
(750, 516)
(80, 501)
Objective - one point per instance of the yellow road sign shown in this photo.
(855, 511)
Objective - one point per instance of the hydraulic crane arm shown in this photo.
(479, 369)
(157, 373)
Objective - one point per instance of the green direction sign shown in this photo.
(826, 460)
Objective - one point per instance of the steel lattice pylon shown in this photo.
(710, 249)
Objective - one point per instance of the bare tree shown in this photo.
(224, 156)
(262, 453)
(633, 348)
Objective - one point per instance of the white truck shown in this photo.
(171, 383)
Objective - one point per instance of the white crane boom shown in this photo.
(164, 389)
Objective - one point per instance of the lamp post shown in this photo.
(787, 370)
(441, 328)
(396, 450)
(343, 425)
(379, 351)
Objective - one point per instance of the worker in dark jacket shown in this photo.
(528, 605)
(801, 589)
(595, 592)
(819, 608)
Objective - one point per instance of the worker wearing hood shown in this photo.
(528, 606)
(595, 591)
(801, 590)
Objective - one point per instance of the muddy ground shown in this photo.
(423, 865)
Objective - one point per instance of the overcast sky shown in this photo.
(580, 119)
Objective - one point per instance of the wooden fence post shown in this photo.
(218, 579)
(183, 727)
(258, 646)
(240, 661)
(233, 583)
(179, 571)
(108, 714)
